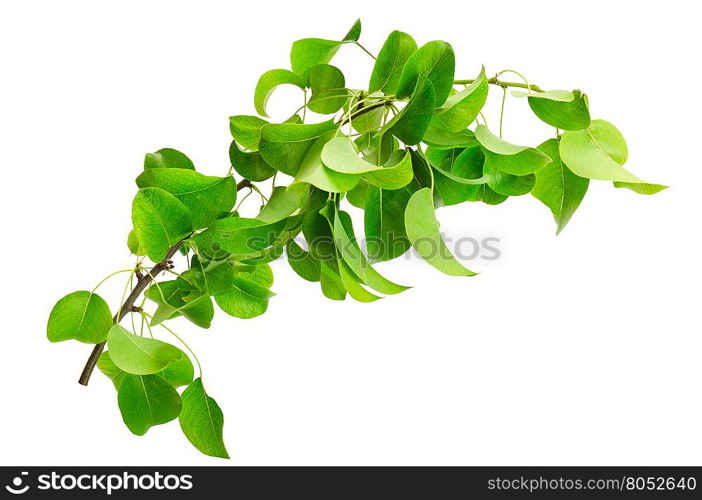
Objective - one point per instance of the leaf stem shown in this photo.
(502, 108)
(495, 81)
(366, 50)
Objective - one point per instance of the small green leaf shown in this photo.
(313, 171)
(462, 108)
(284, 146)
(328, 92)
(354, 33)
(392, 57)
(110, 369)
(246, 299)
(330, 281)
(202, 421)
(410, 124)
(268, 82)
(238, 236)
(557, 187)
(309, 52)
(167, 158)
(554, 109)
(597, 152)
(508, 158)
(459, 173)
(508, 184)
(340, 155)
(261, 274)
(434, 60)
(133, 244)
(205, 197)
(439, 138)
(282, 203)
(82, 316)
(423, 232)
(250, 166)
(384, 223)
(246, 130)
(641, 188)
(318, 233)
(358, 195)
(351, 254)
(160, 221)
(139, 355)
(178, 373)
(145, 401)
(215, 276)
(302, 262)
(353, 285)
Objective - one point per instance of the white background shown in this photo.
(581, 349)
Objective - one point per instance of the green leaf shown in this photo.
(597, 152)
(318, 233)
(82, 316)
(246, 299)
(238, 236)
(268, 82)
(434, 60)
(204, 196)
(202, 421)
(283, 202)
(330, 281)
(557, 187)
(410, 124)
(133, 244)
(328, 92)
(439, 138)
(179, 372)
(459, 174)
(302, 262)
(139, 355)
(145, 401)
(179, 297)
(555, 109)
(351, 254)
(423, 232)
(261, 274)
(551, 95)
(358, 195)
(353, 285)
(250, 166)
(508, 184)
(508, 158)
(246, 130)
(160, 221)
(167, 158)
(215, 276)
(110, 369)
(340, 155)
(309, 52)
(490, 197)
(284, 146)
(641, 188)
(384, 222)
(313, 171)
(391, 59)
(354, 33)
(462, 108)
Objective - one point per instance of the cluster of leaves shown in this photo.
(412, 141)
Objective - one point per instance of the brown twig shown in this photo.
(128, 306)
